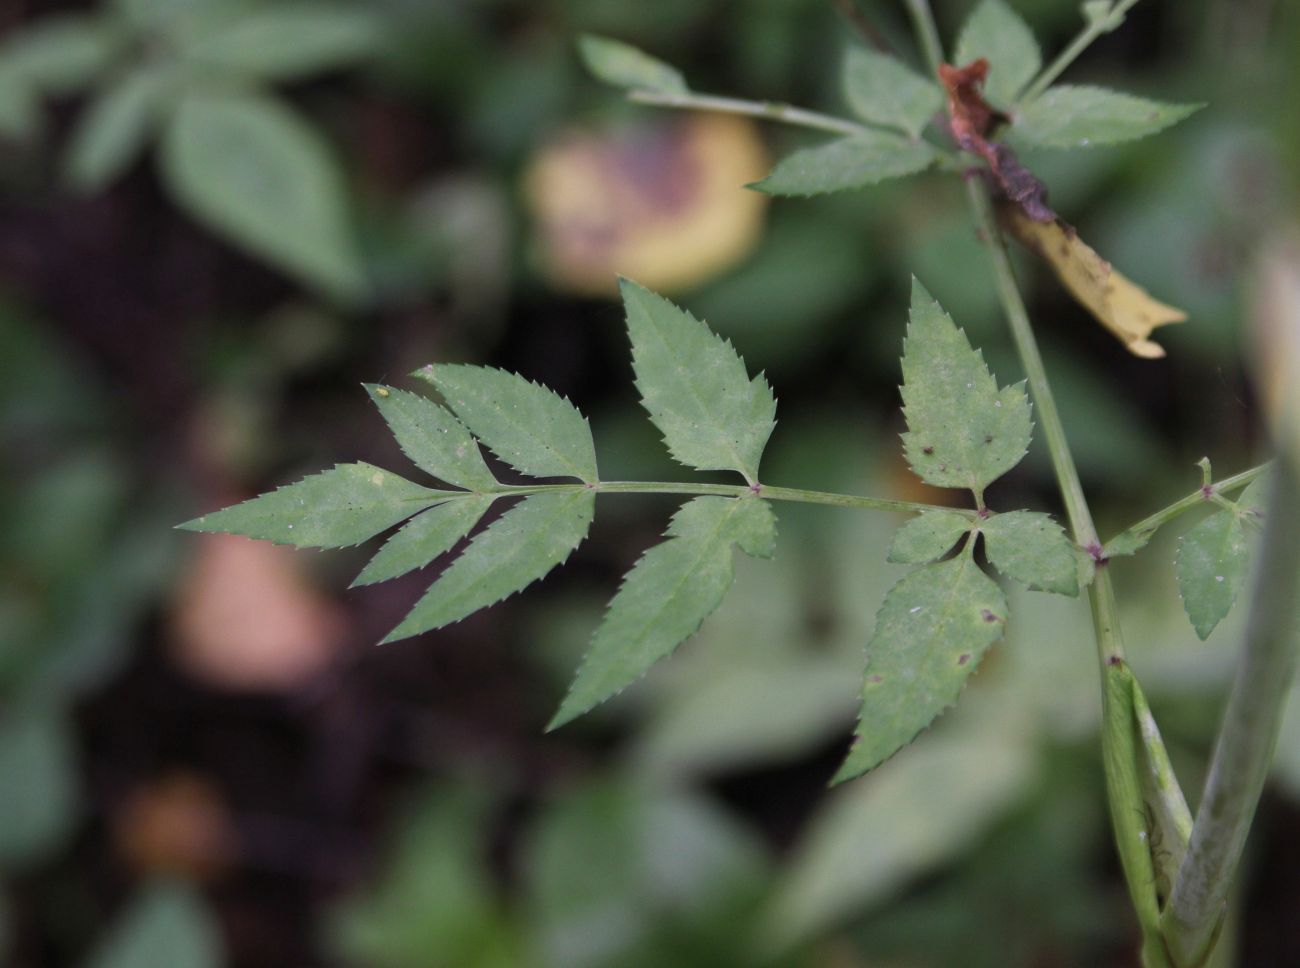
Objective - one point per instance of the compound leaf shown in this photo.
(931, 632)
(249, 168)
(849, 163)
(534, 430)
(883, 90)
(287, 41)
(928, 536)
(434, 440)
(962, 431)
(517, 549)
(1069, 116)
(114, 128)
(426, 536)
(623, 65)
(668, 594)
(1033, 549)
(333, 509)
(996, 32)
(712, 415)
(1211, 569)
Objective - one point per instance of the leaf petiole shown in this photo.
(1139, 534)
(765, 491)
(1093, 29)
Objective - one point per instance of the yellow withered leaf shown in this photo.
(1122, 306)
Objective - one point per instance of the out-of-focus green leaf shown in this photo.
(849, 163)
(434, 440)
(1212, 560)
(251, 169)
(667, 595)
(165, 924)
(962, 431)
(333, 509)
(534, 430)
(20, 111)
(434, 903)
(38, 772)
(426, 536)
(694, 383)
(62, 54)
(114, 128)
(623, 65)
(1069, 116)
(620, 875)
(1033, 549)
(520, 547)
(933, 628)
(883, 90)
(928, 536)
(908, 817)
(285, 41)
(998, 33)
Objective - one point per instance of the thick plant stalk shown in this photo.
(1246, 740)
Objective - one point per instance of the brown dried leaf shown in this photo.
(971, 119)
(1123, 307)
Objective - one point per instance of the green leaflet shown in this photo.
(1070, 116)
(883, 90)
(335, 508)
(425, 537)
(1211, 569)
(287, 41)
(962, 430)
(931, 633)
(995, 31)
(112, 131)
(667, 595)
(434, 440)
(928, 536)
(853, 162)
(521, 546)
(248, 167)
(1033, 549)
(165, 924)
(533, 429)
(622, 65)
(712, 415)
(1128, 543)
(1254, 499)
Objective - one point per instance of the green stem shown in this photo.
(1049, 418)
(1144, 529)
(768, 110)
(926, 32)
(1082, 41)
(1247, 737)
(764, 491)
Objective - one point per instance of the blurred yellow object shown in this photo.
(664, 205)
(1123, 307)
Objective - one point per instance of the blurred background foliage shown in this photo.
(217, 217)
